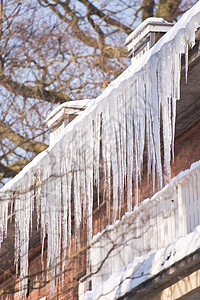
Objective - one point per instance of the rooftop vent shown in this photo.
(146, 36)
(62, 115)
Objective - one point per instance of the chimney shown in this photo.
(146, 36)
(62, 115)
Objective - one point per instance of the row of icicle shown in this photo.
(112, 133)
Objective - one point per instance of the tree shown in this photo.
(53, 51)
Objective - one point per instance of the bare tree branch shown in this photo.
(39, 92)
(24, 143)
(147, 9)
(168, 9)
(12, 169)
(110, 51)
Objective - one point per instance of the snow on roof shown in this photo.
(145, 267)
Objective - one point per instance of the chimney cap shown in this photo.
(145, 36)
(66, 109)
(156, 26)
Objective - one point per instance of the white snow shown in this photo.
(120, 119)
(145, 267)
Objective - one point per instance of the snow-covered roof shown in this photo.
(145, 267)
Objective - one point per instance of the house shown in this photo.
(111, 209)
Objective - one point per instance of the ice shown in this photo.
(3, 216)
(102, 148)
(24, 204)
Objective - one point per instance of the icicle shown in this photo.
(96, 125)
(129, 147)
(12, 208)
(123, 139)
(23, 219)
(186, 62)
(64, 201)
(38, 196)
(69, 211)
(106, 158)
(114, 143)
(78, 162)
(121, 147)
(4, 199)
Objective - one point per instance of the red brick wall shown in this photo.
(39, 285)
(186, 152)
(187, 149)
